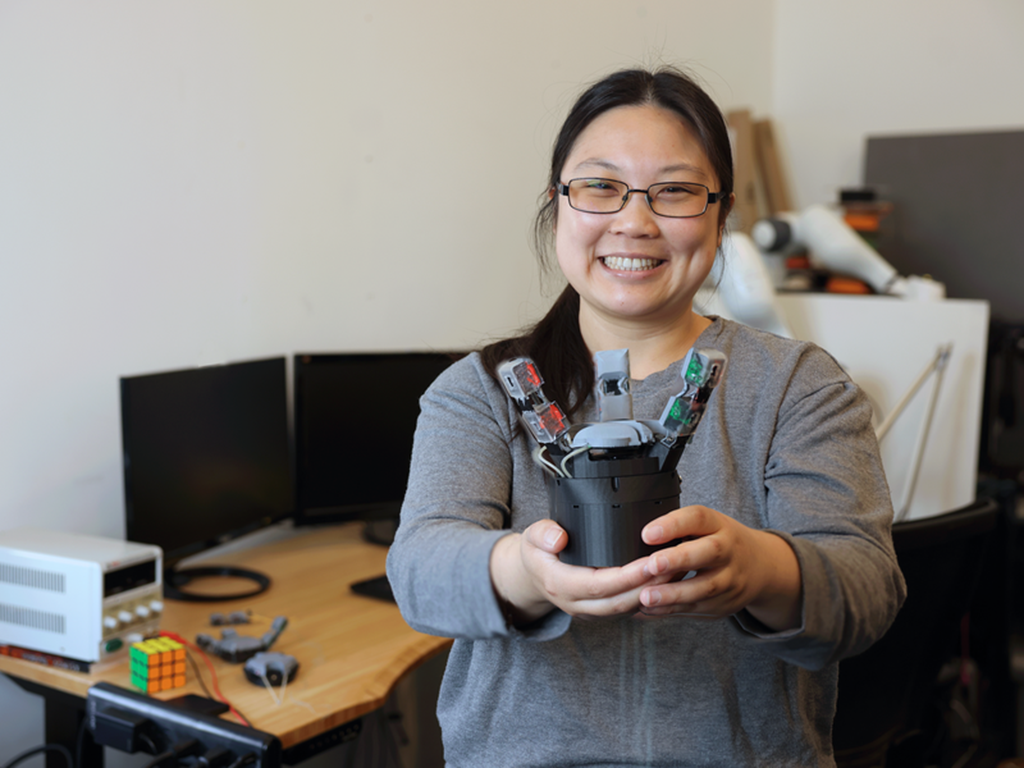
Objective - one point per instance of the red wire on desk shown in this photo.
(213, 673)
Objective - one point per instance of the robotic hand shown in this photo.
(608, 479)
(564, 449)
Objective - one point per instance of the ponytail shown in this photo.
(556, 345)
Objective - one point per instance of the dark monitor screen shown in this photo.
(206, 454)
(355, 415)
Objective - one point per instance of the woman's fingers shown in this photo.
(547, 535)
(681, 523)
(709, 593)
(719, 580)
(580, 590)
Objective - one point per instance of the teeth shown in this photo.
(629, 265)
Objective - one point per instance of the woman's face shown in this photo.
(635, 265)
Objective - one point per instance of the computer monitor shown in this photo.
(206, 459)
(355, 415)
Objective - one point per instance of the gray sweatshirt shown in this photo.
(786, 445)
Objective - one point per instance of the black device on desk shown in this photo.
(355, 415)
(378, 587)
(131, 722)
(206, 459)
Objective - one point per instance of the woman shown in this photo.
(785, 511)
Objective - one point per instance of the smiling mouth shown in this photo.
(624, 264)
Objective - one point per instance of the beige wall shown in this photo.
(200, 181)
(191, 182)
(845, 71)
(194, 182)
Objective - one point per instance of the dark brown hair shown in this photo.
(555, 343)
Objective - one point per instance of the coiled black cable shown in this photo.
(60, 748)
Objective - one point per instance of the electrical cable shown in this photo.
(80, 743)
(572, 455)
(198, 673)
(160, 758)
(270, 689)
(44, 748)
(245, 759)
(538, 456)
(174, 578)
(181, 749)
(150, 745)
(212, 758)
(279, 699)
(213, 674)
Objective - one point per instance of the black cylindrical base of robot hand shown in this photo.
(603, 516)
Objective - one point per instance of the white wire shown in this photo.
(538, 456)
(270, 689)
(570, 455)
(284, 685)
(305, 704)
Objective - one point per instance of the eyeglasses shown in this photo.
(672, 199)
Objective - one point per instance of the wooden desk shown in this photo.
(351, 650)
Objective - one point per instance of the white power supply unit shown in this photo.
(75, 595)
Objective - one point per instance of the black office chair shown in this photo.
(886, 693)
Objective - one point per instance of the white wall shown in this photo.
(846, 71)
(199, 181)
(192, 182)
(203, 180)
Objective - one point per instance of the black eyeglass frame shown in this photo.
(711, 199)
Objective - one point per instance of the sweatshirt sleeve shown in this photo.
(828, 497)
(456, 507)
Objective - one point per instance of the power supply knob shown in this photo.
(142, 611)
(110, 622)
(156, 606)
(124, 617)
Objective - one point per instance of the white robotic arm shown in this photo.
(833, 243)
(742, 288)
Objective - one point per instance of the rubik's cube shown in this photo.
(158, 664)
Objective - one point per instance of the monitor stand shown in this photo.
(174, 579)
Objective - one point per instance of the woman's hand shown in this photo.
(530, 579)
(736, 567)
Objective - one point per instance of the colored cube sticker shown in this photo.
(157, 664)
